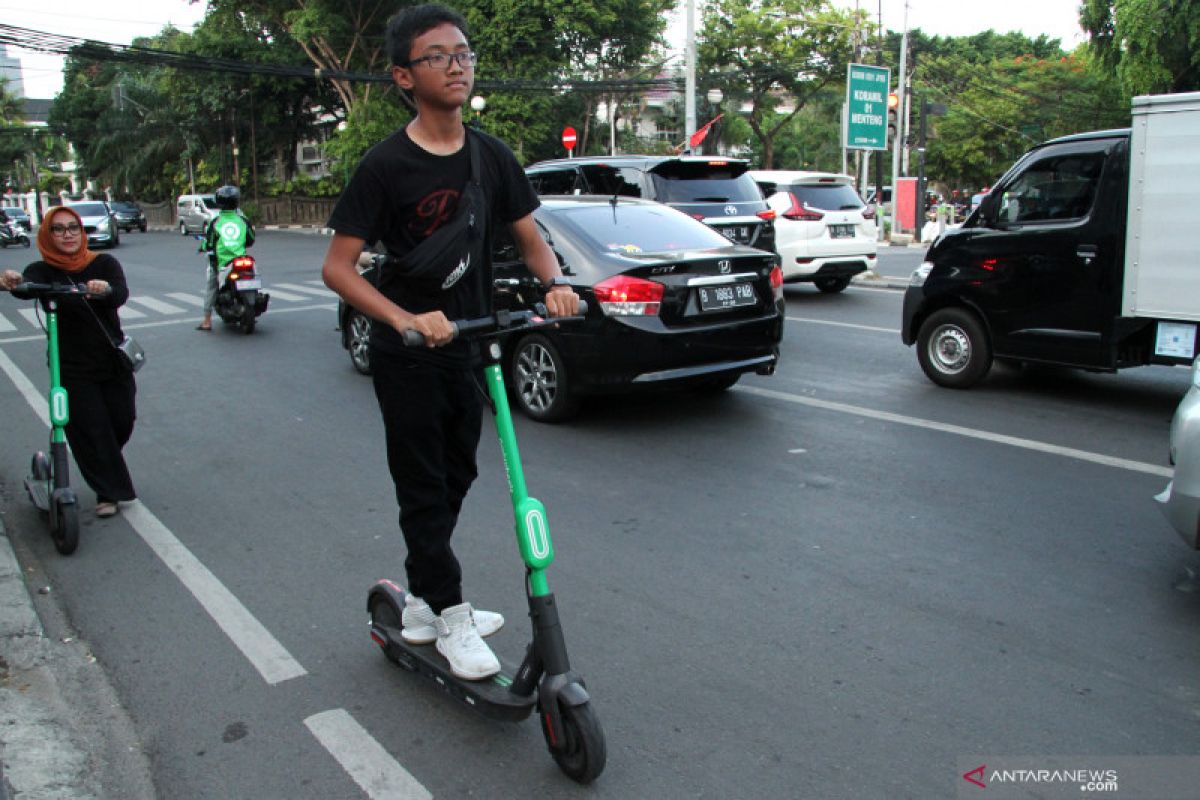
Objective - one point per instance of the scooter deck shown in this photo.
(491, 696)
(37, 493)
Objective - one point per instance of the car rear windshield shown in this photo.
(827, 197)
(89, 209)
(703, 182)
(211, 202)
(637, 229)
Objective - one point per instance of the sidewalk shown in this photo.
(63, 733)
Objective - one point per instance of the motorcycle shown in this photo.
(240, 298)
(10, 233)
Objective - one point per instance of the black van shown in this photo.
(716, 191)
(1036, 272)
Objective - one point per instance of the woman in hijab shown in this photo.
(100, 387)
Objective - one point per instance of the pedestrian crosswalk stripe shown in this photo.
(157, 305)
(31, 314)
(6, 326)
(307, 289)
(190, 299)
(125, 312)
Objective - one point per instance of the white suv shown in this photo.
(824, 233)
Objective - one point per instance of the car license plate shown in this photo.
(249, 283)
(841, 231)
(736, 233)
(719, 298)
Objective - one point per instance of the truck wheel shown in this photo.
(953, 349)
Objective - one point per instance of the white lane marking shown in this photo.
(32, 396)
(249, 635)
(896, 331)
(31, 314)
(295, 287)
(190, 299)
(363, 758)
(282, 295)
(156, 305)
(999, 438)
(5, 325)
(125, 312)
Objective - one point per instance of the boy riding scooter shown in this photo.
(430, 193)
(226, 236)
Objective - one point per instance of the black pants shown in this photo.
(432, 418)
(102, 414)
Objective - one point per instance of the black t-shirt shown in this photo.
(86, 351)
(400, 194)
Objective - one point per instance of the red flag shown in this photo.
(699, 135)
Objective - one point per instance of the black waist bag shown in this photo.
(441, 260)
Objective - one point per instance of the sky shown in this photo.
(119, 21)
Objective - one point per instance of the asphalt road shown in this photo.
(838, 581)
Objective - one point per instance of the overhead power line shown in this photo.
(44, 42)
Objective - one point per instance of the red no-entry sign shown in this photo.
(569, 138)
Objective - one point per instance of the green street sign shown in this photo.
(866, 107)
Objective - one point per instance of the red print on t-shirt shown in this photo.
(434, 210)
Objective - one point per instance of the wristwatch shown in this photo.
(557, 280)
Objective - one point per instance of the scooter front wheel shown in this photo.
(579, 748)
(66, 528)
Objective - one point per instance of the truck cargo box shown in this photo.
(1162, 247)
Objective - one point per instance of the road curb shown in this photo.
(63, 733)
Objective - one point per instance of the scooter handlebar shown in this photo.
(521, 320)
(56, 290)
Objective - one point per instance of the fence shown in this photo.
(295, 210)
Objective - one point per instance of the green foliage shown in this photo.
(367, 124)
(775, 53)
(1152, 46)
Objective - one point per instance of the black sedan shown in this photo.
(128, 215)
(671, 303)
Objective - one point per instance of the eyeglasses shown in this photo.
(466, 59)
(72, 228)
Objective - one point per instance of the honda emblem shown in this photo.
(724, 266)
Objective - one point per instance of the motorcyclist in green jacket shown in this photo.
(226, 236)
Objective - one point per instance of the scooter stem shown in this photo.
(533, 532)
(59, 410)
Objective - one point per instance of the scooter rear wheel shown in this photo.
(66, 528)
(581, 752)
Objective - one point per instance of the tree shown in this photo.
(774, 53)
(1153, 46)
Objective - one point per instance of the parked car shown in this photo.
(824, 232)
(717, 191)
(98, 222)
(128, 215)
(671, 303)
(17, 216)
(1180, 501)
(194, 211)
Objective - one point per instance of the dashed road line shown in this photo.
(363, 758)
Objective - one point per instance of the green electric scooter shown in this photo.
(49, 482)
(569, 723)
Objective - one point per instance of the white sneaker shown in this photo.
(459, 642)
(419, 626)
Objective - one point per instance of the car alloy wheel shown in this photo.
(358, 341)
(540, 381)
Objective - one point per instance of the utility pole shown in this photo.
(898, 144)
(689, 91)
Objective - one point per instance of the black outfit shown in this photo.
(430, 398)
(100, 388)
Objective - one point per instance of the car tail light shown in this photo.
(776, 280)
(868, 212)
(801, 212)
(623, 296)
(768, 214)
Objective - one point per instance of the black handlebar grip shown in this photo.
(412, 338)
